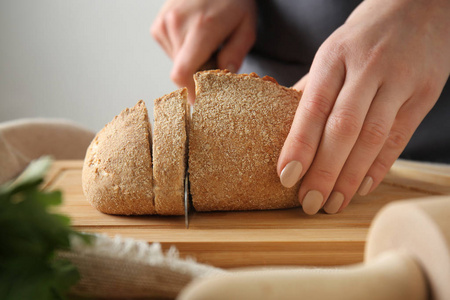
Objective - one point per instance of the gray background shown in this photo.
(82, 60)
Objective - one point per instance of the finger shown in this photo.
(339, 136)
(374, 133)
(159, 32)
(198, 46)
(238, 45)
(175, 29)
(322, 88)
(409, 117)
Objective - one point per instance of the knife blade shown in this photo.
(186, 200)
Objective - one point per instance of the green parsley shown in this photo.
(30, 235)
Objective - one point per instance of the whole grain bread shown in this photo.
(117, 174)
(238, 128)
(171, 113)
(236, 133)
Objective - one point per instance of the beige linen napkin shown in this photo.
(26, 139)
(127, 268)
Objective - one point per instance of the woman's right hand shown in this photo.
(191, 31)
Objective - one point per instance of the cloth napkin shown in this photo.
(26, 139)
(126, 268)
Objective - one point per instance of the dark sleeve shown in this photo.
(289, 34)
(431, 141)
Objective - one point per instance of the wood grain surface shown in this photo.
(256, 238)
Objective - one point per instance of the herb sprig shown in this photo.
(30, 235)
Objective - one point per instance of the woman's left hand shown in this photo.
(370, 85)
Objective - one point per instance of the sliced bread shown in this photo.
(236, 133)
(237, 130)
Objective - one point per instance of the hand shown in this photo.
(190, 31)
(370, 85)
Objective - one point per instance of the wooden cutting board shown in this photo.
(255, 238)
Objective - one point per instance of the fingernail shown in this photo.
(232, 68)
(312, 202)
(291, 174)
(365, 186)
(334, 203)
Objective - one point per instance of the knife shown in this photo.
(186, 199)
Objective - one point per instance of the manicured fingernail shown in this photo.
(365, 186)
(232, 68)
(291, 173)
(334, 203)
(312, 202)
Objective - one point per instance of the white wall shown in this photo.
(83, 60)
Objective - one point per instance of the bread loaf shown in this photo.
(238, 128)
(117, 174)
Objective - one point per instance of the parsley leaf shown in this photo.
(30, 236)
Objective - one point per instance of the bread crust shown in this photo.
(117, 174)
(238, 128)
(171, 113)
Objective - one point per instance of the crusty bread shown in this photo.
(236, 134)
(117, 175)
(171, 113)
(238, 128)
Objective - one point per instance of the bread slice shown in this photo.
(238, 128)
(117, 175)
(171, 113)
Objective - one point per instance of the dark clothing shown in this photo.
(290, 33)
